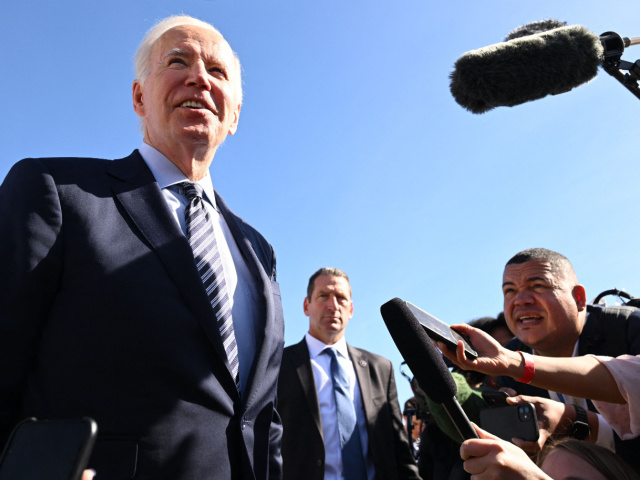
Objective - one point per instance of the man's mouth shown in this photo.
(192, 104)
(529, 320)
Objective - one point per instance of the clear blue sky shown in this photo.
(350, 150)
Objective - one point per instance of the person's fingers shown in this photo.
(529, 447)
(509, 391)
(88, 474)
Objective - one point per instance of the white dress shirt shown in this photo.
(241, 285)
(321, 366)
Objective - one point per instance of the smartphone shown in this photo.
(512, 421)
(440, 331)
(48, 449)
(495, 398)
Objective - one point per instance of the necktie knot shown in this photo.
(191, 190)
(332, 352)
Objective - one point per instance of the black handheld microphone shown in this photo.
(425, 361)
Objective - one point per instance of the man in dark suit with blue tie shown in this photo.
(130, 293)
(339, 405)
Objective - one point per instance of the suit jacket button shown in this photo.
(319, 463)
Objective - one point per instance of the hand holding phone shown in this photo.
(441, 332)
(512, 421)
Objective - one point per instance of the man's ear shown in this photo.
(138, 104)
(236, 116)
(580, 296)
(305, 306)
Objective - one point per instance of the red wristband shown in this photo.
(529, 369)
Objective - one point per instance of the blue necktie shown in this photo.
(352, 459)
(205, 251)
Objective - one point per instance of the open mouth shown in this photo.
(529, 320)
(193, 104)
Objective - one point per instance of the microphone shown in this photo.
(533, 28)
(526, 68)
(426, 363)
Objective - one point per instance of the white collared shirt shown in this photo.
(241, 285)
(321, 366)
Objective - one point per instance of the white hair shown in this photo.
(142, 57)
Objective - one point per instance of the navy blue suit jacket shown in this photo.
(102, 313)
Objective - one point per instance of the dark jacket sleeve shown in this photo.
(30, 255)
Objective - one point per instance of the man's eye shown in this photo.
(218, 70)
(174, 61)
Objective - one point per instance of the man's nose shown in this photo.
(523, 298)
(332, 304)
(199, 76)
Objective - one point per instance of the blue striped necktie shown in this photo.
(353, 466)
(205, 251)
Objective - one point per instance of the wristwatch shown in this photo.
(580, 429)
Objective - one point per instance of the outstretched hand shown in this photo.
(492, 359)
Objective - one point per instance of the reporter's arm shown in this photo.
(584, 377)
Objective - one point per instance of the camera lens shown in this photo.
(524, 413)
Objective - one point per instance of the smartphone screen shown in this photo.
(438, 330)
(48, 450)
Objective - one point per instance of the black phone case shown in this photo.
(505, 422)
(495, 398)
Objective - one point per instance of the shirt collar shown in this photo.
(316, 347)
(167, 173)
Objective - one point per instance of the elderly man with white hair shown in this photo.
(131, 294)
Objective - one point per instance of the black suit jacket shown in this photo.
(302, 444)
(103, 313)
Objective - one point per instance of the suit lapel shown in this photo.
(302, 365)
(264, 340)
(138, 193)
(361, 366)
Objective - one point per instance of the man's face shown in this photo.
(191, 95)
(329, 309)
(542, 307)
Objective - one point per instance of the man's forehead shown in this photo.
(330, 282)
(532, 269)
(178, 37)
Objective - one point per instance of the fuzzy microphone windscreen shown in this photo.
(525, 69)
